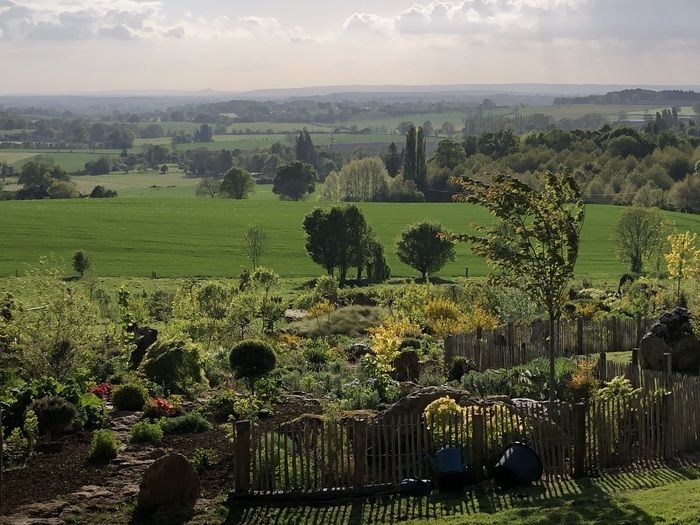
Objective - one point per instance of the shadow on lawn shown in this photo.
(566, 501)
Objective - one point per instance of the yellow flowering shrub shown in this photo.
(586, 310)
(386, 338)
(443, 418)
(583, 383)
(479, 318)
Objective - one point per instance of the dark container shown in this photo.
(519, 466)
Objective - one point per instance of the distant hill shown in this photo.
(634, 96)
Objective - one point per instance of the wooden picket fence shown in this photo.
(659, 422)
(517, 344)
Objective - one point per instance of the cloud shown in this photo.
(522, 21)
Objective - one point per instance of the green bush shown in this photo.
(252, 360)
(55, 415)
(175, 364)
(104, 447)
(223, 405)
(189, 423)
(203, 459)
(130, 397)
(145, 432)
(459, 367)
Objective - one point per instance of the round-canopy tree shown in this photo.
(294, 180)
(237, 184)
(252, 360)
(425, 246)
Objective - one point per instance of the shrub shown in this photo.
(190, 423)
(102, 390)
(352, 321)
(441, 416)
(203, 459)
(617, 388)
(130, 396)
(104, 447)
(252, 360)
(175, 364)
(387, 338)
(459, 367)
(411, 343)
(145, 432)
(55, 415)
(158, 407)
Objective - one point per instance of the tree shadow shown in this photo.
(561, 502)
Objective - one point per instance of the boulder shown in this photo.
(406, 366)
(143, 338)
(672, 333)
(170, 480)
(357, 350)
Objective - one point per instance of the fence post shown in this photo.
(640, 329)
(478, 446)
(667, 425)
(634, 369)
(449, 349)
(478, 350)
(615, 335)
(579, 440)
(243, 456)
(579, 336)
(668, 371)
(511, 336)
(359, 451)
(602, 367)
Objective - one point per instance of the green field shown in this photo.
(183, 237)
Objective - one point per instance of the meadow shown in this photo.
(177, 237)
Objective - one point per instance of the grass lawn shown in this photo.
(659, 496)
(183, 237)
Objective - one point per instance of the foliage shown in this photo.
(351, 321)
(92, 411)
(426, 247)
(362, 180)
(683, 259)
(618, 388)
(81, 262)
(175, 364)
(294, 181)
(583, 383)
(255, 244)
(252, 360)
(104, 446)
(236, 184)
(190, 423)
(535, 242)
(386, 338)
(203, 459)
(459, 367)
(442, 419)
(145, 432)
(130, 397)
(639, 234)
(377, 372)
(158, 407)
(55, 415)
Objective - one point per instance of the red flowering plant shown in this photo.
(158, 407)
(102, 390)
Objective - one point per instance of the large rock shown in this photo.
(672, 333)
(170, 480)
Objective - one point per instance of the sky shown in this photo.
(75, 46)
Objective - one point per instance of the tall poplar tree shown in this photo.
(409, 155)
(421, 166)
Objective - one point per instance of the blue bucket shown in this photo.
(449, 460)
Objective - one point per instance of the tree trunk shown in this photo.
(552, 386)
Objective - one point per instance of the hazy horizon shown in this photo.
(78, 46)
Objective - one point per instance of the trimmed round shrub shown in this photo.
(55, 415)
(252, 359)
(104, 447)
(459, 367)
(145, 432)
(175, 364)
(131, 397)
